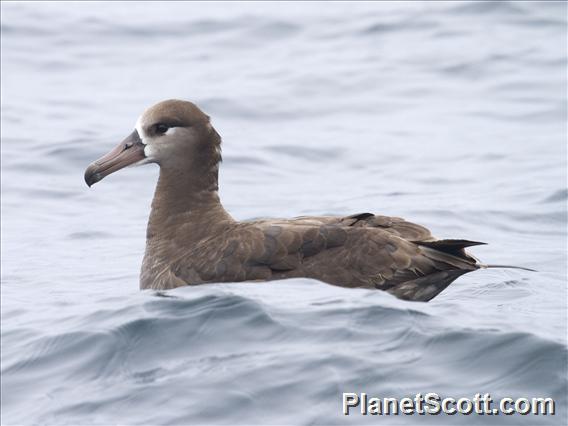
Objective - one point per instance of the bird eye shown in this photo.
(161, 128)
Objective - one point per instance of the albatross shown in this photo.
(191, 239)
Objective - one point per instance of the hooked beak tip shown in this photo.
(128, 152)
(91, 176)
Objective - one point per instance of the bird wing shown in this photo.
(393, 225)
(334, 250)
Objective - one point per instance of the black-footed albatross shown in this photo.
(191, 239)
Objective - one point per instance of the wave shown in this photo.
(257, 352)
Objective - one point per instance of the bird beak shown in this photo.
(128, 152)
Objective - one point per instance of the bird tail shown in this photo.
(457, 248)
(443, 262)
(451, 252)
(451, 261)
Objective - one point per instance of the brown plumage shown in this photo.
(191, 239)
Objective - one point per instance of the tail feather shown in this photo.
(449, 261)
(452, 247)
(442, 260)
(456, 248)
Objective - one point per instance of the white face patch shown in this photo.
(148, 151)
(140, 130)
(171, 131)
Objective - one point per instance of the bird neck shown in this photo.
(186, 202)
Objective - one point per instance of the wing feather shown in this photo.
(362, 250)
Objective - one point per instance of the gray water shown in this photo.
(452, 115)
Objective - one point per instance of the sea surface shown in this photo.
(452, 115)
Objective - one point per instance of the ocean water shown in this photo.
(452, 115)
